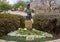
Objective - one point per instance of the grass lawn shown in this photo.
(19, 39)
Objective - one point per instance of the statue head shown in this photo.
(28, 6)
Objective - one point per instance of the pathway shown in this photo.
(6, 41)
(58, 40)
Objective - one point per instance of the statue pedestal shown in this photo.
(28, 24)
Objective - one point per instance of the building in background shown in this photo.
(43, 5)
(42, 2)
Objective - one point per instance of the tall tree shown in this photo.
(4, 5)
(18, 4)
(31, 0)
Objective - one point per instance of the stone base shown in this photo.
(3, 41)
(28, 24)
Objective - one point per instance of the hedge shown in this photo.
(47, 23)
(9, 22)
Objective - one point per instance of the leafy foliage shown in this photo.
(59, 7)
(4, 5)
(18, 4)
(47, 23)
(34, 32)
(19, 39)
(27, 32)
(9, 22)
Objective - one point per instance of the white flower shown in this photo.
(42, 36)
(25, 28)
(47, 35)
(33, 29)
(19, 29)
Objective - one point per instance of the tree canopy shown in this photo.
(58, 7)
(4, 5)
(18, 4)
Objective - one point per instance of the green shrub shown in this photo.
(27, 32)
(58, 7)
(39, 22)
(20, 39)
(9, 22)
(47, 23)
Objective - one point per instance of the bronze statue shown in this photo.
(29, 16)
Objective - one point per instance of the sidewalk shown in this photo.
(6, 41)
(58, 40)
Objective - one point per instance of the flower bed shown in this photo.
(27, 32)
(24, 33)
